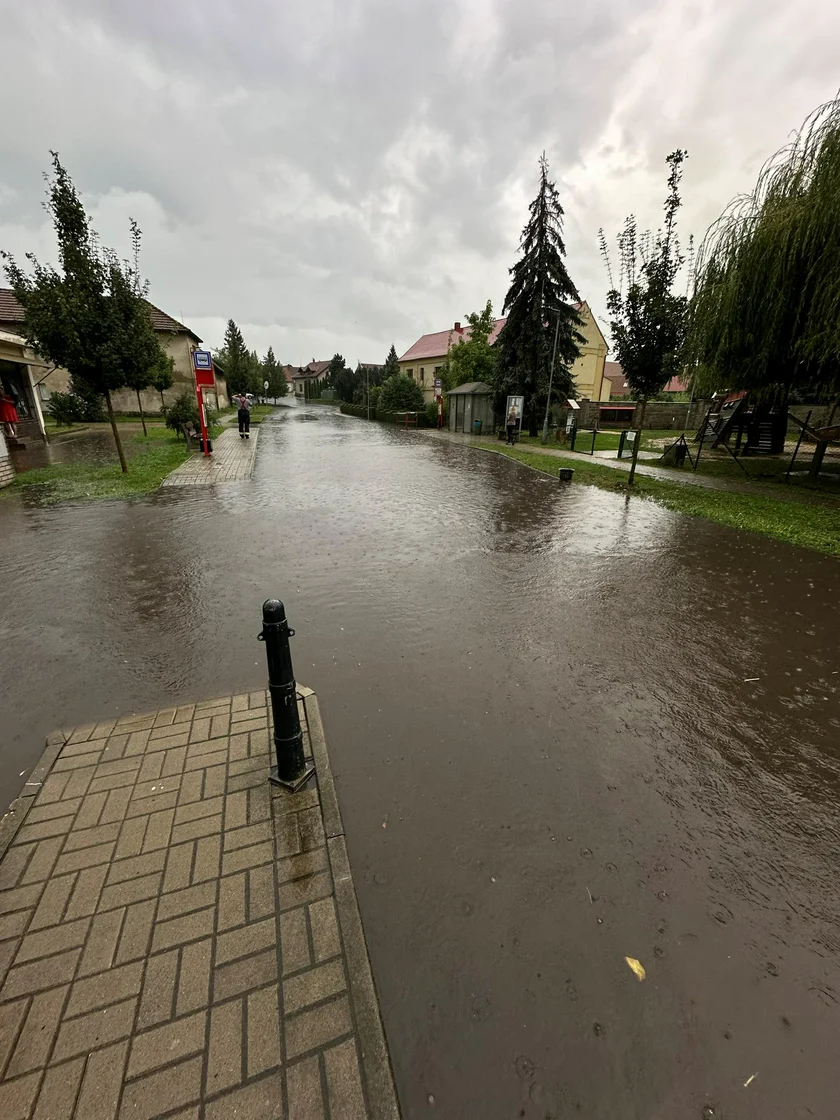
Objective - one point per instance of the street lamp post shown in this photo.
(551, 376)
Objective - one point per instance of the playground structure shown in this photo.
(760, 429)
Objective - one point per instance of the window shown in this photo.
(422, 375)
(410, 373)
(437, 370)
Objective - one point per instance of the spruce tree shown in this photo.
(392, 364)
(540, 302)
(235, 359)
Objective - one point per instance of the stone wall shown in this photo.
(667, 415)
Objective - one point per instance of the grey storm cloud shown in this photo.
(344, 175)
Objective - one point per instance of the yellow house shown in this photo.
(423, 361)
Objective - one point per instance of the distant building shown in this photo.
(424, 360)
(307, 377)
(33, 381)
(615, 375)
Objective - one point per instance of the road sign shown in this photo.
(202, 359)
(438, 386)
(265, 384)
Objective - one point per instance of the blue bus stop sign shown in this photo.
(202, 359)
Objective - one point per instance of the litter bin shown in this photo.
(476, 427)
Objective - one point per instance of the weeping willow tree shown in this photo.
(765, 315)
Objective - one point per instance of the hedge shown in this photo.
(361, 411)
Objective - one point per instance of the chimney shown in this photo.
(458, 328)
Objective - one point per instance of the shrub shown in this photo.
(64, 408)
(182, 411)
(401, 394)
(81, 405)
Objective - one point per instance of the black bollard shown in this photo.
(291, 771)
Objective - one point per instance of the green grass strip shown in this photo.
(811, 526)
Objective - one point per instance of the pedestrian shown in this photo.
(512, 424)
(8, 414)
(244, 417)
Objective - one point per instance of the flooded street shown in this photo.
(566, 729)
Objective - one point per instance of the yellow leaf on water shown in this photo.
(637, 967)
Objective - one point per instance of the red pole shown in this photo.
(204, 435)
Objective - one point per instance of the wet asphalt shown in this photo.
(566, 729)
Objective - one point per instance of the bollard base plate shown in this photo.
(294, 786)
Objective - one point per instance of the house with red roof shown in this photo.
(424, 360)
(31, 380)
(307, 377)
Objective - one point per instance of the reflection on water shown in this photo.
(592, 728)
(92, 447)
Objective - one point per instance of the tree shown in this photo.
(539, 306)
(234, 359)
(163, 376)
(273, 373)
(647, 320)
(473, 359)
(401, 393)
(392, 365)
(91, 315)
(342, 380)
(765, 314)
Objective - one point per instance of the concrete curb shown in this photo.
(15, 815)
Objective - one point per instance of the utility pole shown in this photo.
(551, 376)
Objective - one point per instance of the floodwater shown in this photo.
(566, 729)
(93, 447)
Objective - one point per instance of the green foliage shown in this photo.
(235, 360)
(375, 392)
(272, 372)
(80, 405)
(473, 359)
(401, 394)
(183, 411)
(89, 316)
(647, 320)
(432, 414)
(765, 315)
(342, 380)
(64, 408)
(392, 365)
(539, 306)
(163, 373)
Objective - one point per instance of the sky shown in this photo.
(341, 175)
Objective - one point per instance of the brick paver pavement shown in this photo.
(179, 938)
(232, 460)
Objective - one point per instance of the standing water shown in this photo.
(567, 729)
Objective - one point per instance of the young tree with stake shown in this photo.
(89, 316)
(647, 320)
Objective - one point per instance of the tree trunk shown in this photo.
(162, 403)
(636, 443)
(142, 417)
(533, 424)
(117, 440)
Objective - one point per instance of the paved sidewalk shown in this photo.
(179, 938)
(232, 460)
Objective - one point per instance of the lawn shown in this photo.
(157, 454)
(814, 526)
